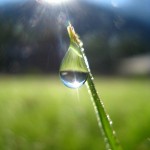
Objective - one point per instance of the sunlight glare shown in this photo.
(56, 1)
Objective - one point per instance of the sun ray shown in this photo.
(53, 1)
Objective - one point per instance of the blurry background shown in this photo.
(33, 41)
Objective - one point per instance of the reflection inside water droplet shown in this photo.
(73, 79)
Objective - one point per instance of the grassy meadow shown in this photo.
(39, 113)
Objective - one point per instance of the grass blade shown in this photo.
(104, 121)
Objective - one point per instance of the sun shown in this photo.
(56, 1)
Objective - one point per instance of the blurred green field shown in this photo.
(39, 113)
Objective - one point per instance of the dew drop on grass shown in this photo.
(73, 69)
(73, 79)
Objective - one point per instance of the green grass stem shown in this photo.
(103, 118)
(104, 121)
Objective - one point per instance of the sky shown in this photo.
(138, 9)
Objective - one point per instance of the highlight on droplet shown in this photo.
(73, 79)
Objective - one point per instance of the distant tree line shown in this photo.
(31, 41)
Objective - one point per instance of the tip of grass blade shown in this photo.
(73, 35)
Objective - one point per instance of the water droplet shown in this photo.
(73, 70)
(73, 79)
